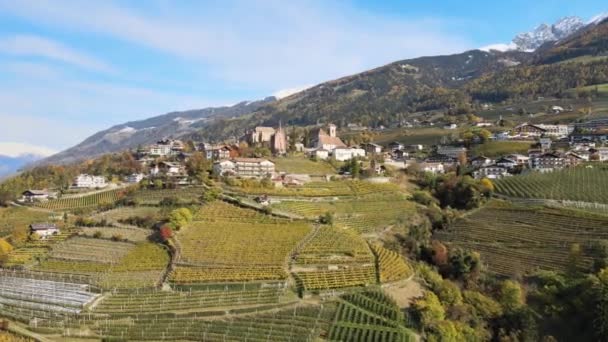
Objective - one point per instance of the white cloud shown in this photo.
(29, 45)
(14, 149)
(499, 47)
(270, 44)
(279, 94)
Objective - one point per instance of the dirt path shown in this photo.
(404, 292)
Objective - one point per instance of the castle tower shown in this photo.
(332, 130)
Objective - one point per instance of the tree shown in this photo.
(464, 262)
(484, 306)
(294, 138)
(180, 217)
(510, 295)
(327, 218)
(429, 309)
(165, 232)
(601, 310)
(5, 249)
(211, 194)
(158, 184)
(575, 258)
(423, 197)
(486, 187)
(440, 253)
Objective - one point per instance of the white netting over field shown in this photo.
(43, 295)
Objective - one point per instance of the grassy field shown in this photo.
(582, 183)
(122, 213)
(520, 240)
(341, 188)
(366, 214)
(498, 148)
(127, 266)
(13, 218)
(228, 243)
(129, 234)
(409, 136)
(89, 201)
(302, 165)
(153, 197)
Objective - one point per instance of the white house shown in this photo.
(159, 150)
(321, 154)
(481, 161)
(44, 230)
(556, 130)
(244, 167)
(347, 153)
(224, 168)
(36, 195)
(506, 163)
(602, 153)
(135, 178)
(327, 141)
(372, 148)
(432, 167)
(491, 172)
(167, 168)
(89, 181)
(545, 143)
(520, 159)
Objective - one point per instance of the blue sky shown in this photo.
(71, 68)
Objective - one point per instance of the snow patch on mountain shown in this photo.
(122, 134)
(598, 18)
(547, 33)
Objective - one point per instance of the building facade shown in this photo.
(89, 181)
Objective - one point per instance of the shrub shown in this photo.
(117, 237)
(327, 218)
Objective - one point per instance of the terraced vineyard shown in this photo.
(153, 197)
(369, 316)
(300, 323)
(93, 250)
(355, 276)
(391, 266)
(323, 189)
(239, 244)
(584, 183)
(192, 300)
(330, 246)
(366, 214)
(90, 201)
(519, 240)
(30, 251)
(133, 265)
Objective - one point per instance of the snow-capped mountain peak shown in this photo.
(544, 33)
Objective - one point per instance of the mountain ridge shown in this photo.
(384, 95)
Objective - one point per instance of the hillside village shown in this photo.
(551, 147)
(444, 199)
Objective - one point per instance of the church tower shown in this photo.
(332, 130)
